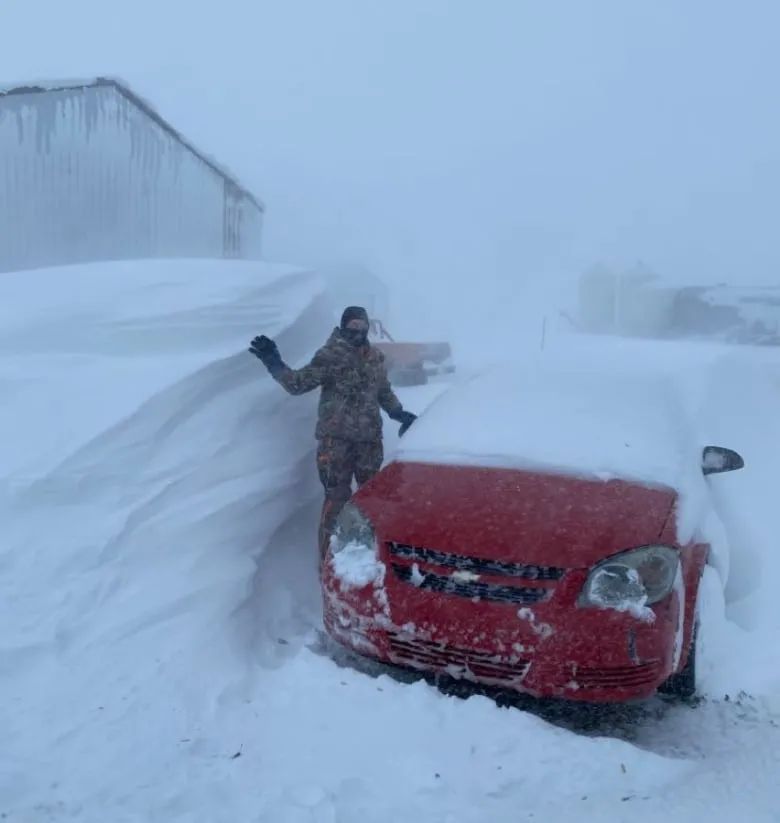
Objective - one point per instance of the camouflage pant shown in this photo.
(338, 461)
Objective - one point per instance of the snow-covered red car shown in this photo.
(544, 532)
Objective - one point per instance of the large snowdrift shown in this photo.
(150, 462)
(158, 591)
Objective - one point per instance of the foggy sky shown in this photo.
(484, 151)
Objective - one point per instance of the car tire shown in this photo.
(683, 683)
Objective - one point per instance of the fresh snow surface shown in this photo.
(68, 83)
(357, 565)
(159, 657)
(564, 416)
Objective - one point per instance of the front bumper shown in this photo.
(545, 649)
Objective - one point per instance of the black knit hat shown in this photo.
(353, 313)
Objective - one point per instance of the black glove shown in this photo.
(265, 348)
(405, 418)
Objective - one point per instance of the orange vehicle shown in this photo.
(411, 364)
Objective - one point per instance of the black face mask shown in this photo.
(355, 337)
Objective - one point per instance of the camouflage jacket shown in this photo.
(354, 386)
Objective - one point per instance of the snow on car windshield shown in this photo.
(568, 417)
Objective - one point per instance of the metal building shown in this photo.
(89, 171)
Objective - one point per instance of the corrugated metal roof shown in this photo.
(146, 108)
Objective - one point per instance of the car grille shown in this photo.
(472, 589)
(477, 565)
(457, 662)
(541, 578)
(616, 678)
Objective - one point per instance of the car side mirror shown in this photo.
(716, 459)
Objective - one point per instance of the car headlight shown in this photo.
(635, 578)
(352, 528)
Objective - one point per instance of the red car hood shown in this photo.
(517, 516)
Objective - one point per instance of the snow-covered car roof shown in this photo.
(577, 419)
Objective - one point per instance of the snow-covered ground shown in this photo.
(159, 603)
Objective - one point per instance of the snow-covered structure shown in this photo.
(740, 314)
(628, 302)
(636, 302)
(89, 171)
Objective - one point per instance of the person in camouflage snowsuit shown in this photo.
(354, 386)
